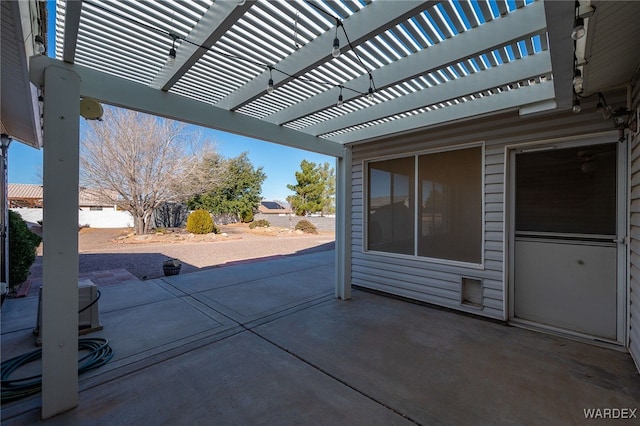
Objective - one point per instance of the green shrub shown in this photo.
(259, 223)
(246, 216)
(306, 227)
(22, 249)
(200, 222)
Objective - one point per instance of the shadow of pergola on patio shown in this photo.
(267, 343)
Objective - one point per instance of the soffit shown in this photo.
(20, 116)
(612, 49)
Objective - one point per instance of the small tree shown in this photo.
(328, 177)
(22, 249)
(314, 190)
(306, 227)
(200, 222)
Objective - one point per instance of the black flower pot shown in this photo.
(171, 269)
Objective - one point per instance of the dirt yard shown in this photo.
(94, 238)
(142, 255)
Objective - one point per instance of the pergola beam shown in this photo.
(367, 23)
(487, 105)
(560, 16)
(526, 21)
(522, 69)
(73, 11)
(216, 21)
(127, 94)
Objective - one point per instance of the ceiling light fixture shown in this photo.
(370, 94)
(603, 108)
(335, 51)
(370, 91)
(578, 29)
(576, 105)
(340, 102)
(270, 87)
(39, 41)
(578, 80)
(171, 59)
(621, 117)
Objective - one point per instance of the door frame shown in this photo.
(622, 232)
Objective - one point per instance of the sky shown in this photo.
(279, 162)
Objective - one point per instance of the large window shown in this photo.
(447, 223)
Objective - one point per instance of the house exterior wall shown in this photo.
(437, 282)
(634, 246)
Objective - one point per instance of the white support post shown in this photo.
(343, 225)
(5, 141)
(60, 241)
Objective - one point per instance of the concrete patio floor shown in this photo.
(267, 343)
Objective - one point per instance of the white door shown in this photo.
(566, 242)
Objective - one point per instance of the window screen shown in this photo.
(391, 206)
(570, 190)
(450, 191)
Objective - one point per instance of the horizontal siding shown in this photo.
(439, 283)
(493, 225)
(634, 255)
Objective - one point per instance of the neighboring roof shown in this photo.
(25, 190)
(273, 207)
(30, 195)
(92, 197)
(24, 195)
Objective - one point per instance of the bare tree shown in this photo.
(146, 160)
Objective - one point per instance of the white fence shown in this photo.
(107, 218)
(322, 223)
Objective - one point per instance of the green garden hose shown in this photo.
(100, 353)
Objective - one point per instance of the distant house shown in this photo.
(96, 209)
(92, 200)
(274, 207)
(25, 195)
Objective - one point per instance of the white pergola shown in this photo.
(426, 62)
(440, 59)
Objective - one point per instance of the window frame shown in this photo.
(416, 214)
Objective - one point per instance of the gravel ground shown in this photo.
(98, 252)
